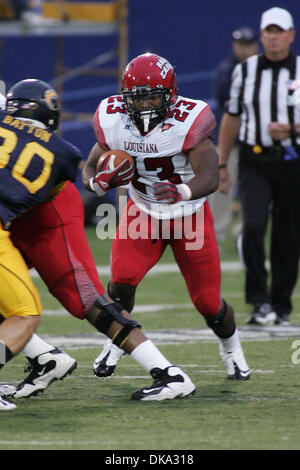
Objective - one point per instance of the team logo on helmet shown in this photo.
(51, 99)
(164, 66)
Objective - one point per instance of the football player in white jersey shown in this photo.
(176, 167)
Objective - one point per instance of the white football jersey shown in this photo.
(161, 154)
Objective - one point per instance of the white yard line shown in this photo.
(148, 308)
(43, 443)
(162, 268)
(182, 335)
(178, 336)
(146, 377)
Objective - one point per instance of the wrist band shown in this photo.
(185, 191)
(223, 165)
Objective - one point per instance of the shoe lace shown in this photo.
(29, 368)
(158, 377)
(158, 383)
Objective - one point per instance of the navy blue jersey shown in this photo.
(33, 162)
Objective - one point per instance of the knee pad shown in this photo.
(124, 294)
(213, 321)
(111, 312)
(223, 323)
(121, 291)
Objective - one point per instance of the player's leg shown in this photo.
(20, 304)
(19, 300)
(169, 380)
(72, 278)
(136, 248)
(128, 270)
(201, 271)
(101, 316)
(52, 238)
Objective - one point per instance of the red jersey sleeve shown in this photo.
(201, 129)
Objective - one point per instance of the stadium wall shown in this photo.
(193, 34)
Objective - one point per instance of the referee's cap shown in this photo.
(244, 34)
(277, 16)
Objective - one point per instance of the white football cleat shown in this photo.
(45, 369)
(7, 390)
(107, 360)
(168, 383)
(6, 405)
(233, 358)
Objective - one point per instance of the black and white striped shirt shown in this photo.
(262, 92)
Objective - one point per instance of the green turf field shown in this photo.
(83, 412)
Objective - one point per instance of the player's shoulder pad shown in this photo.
(185, 112)
(109, 111)
(108, 115)
(198, 121)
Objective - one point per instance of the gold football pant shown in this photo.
(18, 295)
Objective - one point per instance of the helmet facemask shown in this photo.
(147, 107)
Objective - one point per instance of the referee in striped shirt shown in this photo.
(263, 111)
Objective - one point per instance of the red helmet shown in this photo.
(146, 77)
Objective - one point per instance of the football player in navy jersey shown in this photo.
(34, 164)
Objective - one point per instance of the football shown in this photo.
(116, 157)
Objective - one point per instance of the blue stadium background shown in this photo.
(193, 34)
